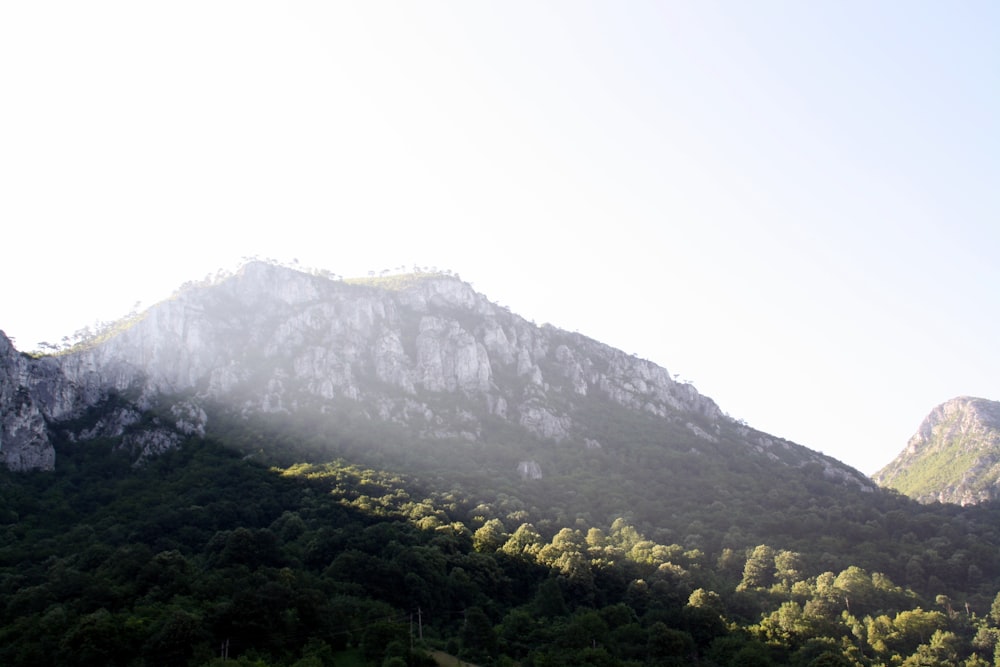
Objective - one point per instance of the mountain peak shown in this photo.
(292, 284)
(422, 352)
(953, 457)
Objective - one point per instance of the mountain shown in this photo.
(278, 468)
(24, 441)
(954, 457)
(423, 353)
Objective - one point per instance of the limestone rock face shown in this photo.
(529, 470)
(450, 358)
(301, 338)
(954, 457)
(24, 440)
(425, 352)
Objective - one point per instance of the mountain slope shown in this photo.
(424, 353)
(323, 459)
(954, 457)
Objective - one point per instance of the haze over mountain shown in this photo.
(954, 457)
(793, 205)
(680, 180)
(423, 352)
(287, 464)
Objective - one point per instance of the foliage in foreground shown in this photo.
(206, 558)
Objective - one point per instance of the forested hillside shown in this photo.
(206, 556)
(279, 468)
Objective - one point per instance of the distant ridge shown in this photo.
(954, 457)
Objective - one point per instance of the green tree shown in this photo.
(479, 641)
(856, 588)
(914, 627)
(567, 540)
(758, 572)
(704, 624)
(549, 601)
(706, 600)
(96, 639)
(490, 537)
(665, 642)
(995, 610)
(831, 659)
(379, 636)
(786, 625)
(177, 637)
(787, 567)
(515, 633)
(524, 542)
(943, 649)
(584, 630)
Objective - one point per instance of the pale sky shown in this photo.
(793, 205)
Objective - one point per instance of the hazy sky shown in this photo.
(794, 205)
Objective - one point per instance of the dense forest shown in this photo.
(214, 554)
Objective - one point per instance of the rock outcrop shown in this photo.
(24, 440)
(423, 351)
(303, 338)
(529, 470)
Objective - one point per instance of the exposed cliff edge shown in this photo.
(424, 351)
(954, 457)
(24, 440)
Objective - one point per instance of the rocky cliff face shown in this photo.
(277, 339)
(24, 441)
(426, 352)
(39, 395)
(954, 457)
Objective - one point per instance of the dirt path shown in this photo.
(446, 660)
